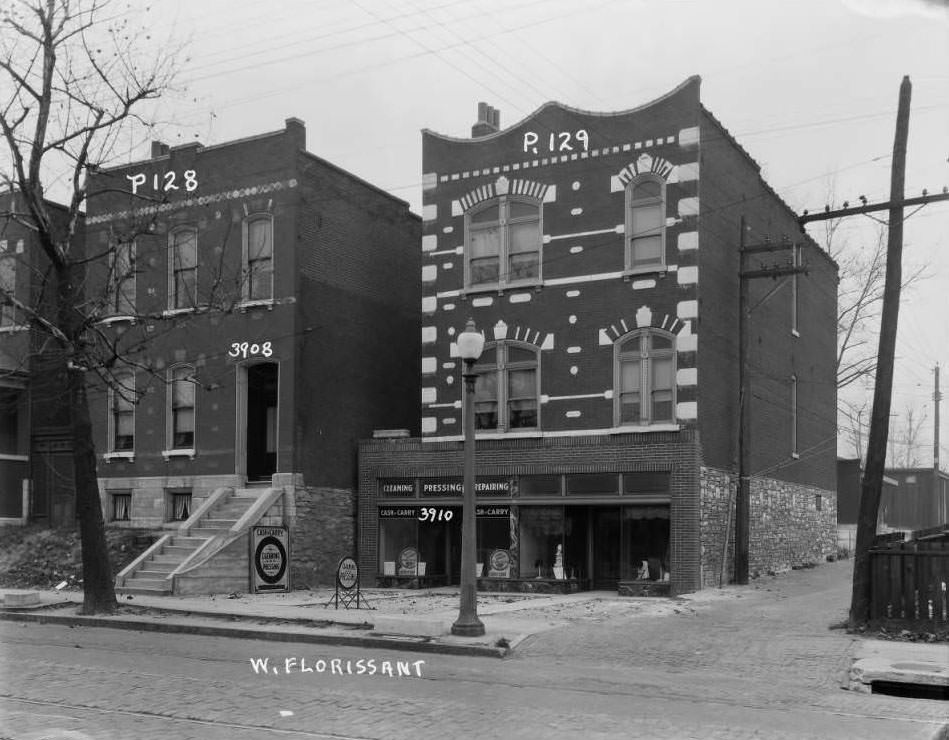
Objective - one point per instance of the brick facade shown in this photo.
(286, 376)
(570, 180)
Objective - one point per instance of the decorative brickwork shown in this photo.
(321, 533)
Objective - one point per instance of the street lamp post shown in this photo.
(470, 344)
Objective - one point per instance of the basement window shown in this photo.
(121, 507)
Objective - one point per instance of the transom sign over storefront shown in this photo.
(598, 255)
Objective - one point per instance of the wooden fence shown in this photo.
(909, 581)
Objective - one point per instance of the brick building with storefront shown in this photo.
(599, 255)
(251, 289)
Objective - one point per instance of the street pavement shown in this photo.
(751, 662)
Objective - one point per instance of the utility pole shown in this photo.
(743, 498)
(882, 393)
(937, 486)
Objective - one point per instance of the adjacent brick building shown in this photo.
(599, 255)
(267, 300)
(36, 473)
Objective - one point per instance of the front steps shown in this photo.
(209, 554)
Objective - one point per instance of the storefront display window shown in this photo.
(494, 543)
(646, 542)
(395, 535)
(541, 531)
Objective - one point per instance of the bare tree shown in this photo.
(72, 82)
(905, 444)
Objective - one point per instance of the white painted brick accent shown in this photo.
(688, 172)
(688, 207)
(688, 240)
(429, 334)
(429, 365)
(687, 309)
(643, 284)
(688, 343)
(604, 338)
(644, 316)
(548, 342)
(429, 273)
(429, 212)
(688, 275)
(429, 180)
(456, 209)
(429, 424)
(551, 195)
(482, 301)
(429, 304)
(520, 298)
(687, 376)
(687, 411)
(689, 136)
(430, 242)
(429, 394)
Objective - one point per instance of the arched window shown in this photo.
(507, 389)
(258, 258)
(503, 242)
(645, 378)
(181, 399)
(183, 278)
(645, 224)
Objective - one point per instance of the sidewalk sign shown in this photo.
(269, 560)
(347, 585)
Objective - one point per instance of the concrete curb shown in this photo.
(413, 644)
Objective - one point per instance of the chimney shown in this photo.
(489, 121)
(297, 129)
(159, 149)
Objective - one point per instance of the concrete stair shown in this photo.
(226, 571)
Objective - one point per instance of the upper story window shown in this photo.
(645, 224)
(122, 283)
(8, 312)
(122, 422)
(645, 378)
(181, 411)
(183, 280)
(503, 243)
(507, 389)
(258, 258)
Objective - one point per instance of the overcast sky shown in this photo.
(809, 88)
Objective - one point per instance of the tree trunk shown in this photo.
(97, 584)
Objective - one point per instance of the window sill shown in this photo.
(172, 312)
(523, 433)
(168, 454)
(638, 272)
(500, 288)
(642, 428)
(118, 319)
(14, 328)
(110, 456)
(267, 303)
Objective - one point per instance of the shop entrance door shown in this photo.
(606, 547)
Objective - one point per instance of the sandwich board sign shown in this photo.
(269, 559)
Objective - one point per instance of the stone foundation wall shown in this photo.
(151, 497)
(718, 502)
(321, 532)
(790, 525)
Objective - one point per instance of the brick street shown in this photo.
(754, 663)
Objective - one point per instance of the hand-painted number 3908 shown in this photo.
(245, 349)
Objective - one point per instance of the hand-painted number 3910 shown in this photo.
(245, 349)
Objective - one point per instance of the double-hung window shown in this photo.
(122, 436)
(504, 243)
(645, 378)
(258, 258)
(183, 282)
(645, 224)
(122, 298)
(8, 313)
(181, 411)
(507, 389)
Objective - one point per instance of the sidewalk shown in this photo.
(417, 620)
